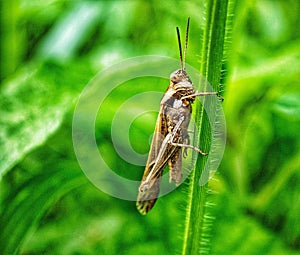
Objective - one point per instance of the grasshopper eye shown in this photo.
(174, 79)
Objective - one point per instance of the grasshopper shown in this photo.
(171, 139)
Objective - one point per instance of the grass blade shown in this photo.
(196, 226)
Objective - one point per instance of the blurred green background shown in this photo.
(50, 50)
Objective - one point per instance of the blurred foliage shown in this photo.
(49, 52)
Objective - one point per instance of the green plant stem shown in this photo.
(195, 238)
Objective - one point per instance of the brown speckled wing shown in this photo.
(147, 198)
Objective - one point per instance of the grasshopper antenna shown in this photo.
(186, 42)
(180, 50)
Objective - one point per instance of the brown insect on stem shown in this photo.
(171, 139)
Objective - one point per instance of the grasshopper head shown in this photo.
(181, 81)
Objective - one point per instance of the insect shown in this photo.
(171, 139)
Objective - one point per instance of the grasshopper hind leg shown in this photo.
(175, 167)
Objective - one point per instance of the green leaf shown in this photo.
(27, 204)
(288, 105)
(33, 105)
(67, 34)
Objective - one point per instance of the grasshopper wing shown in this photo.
(160, 152)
